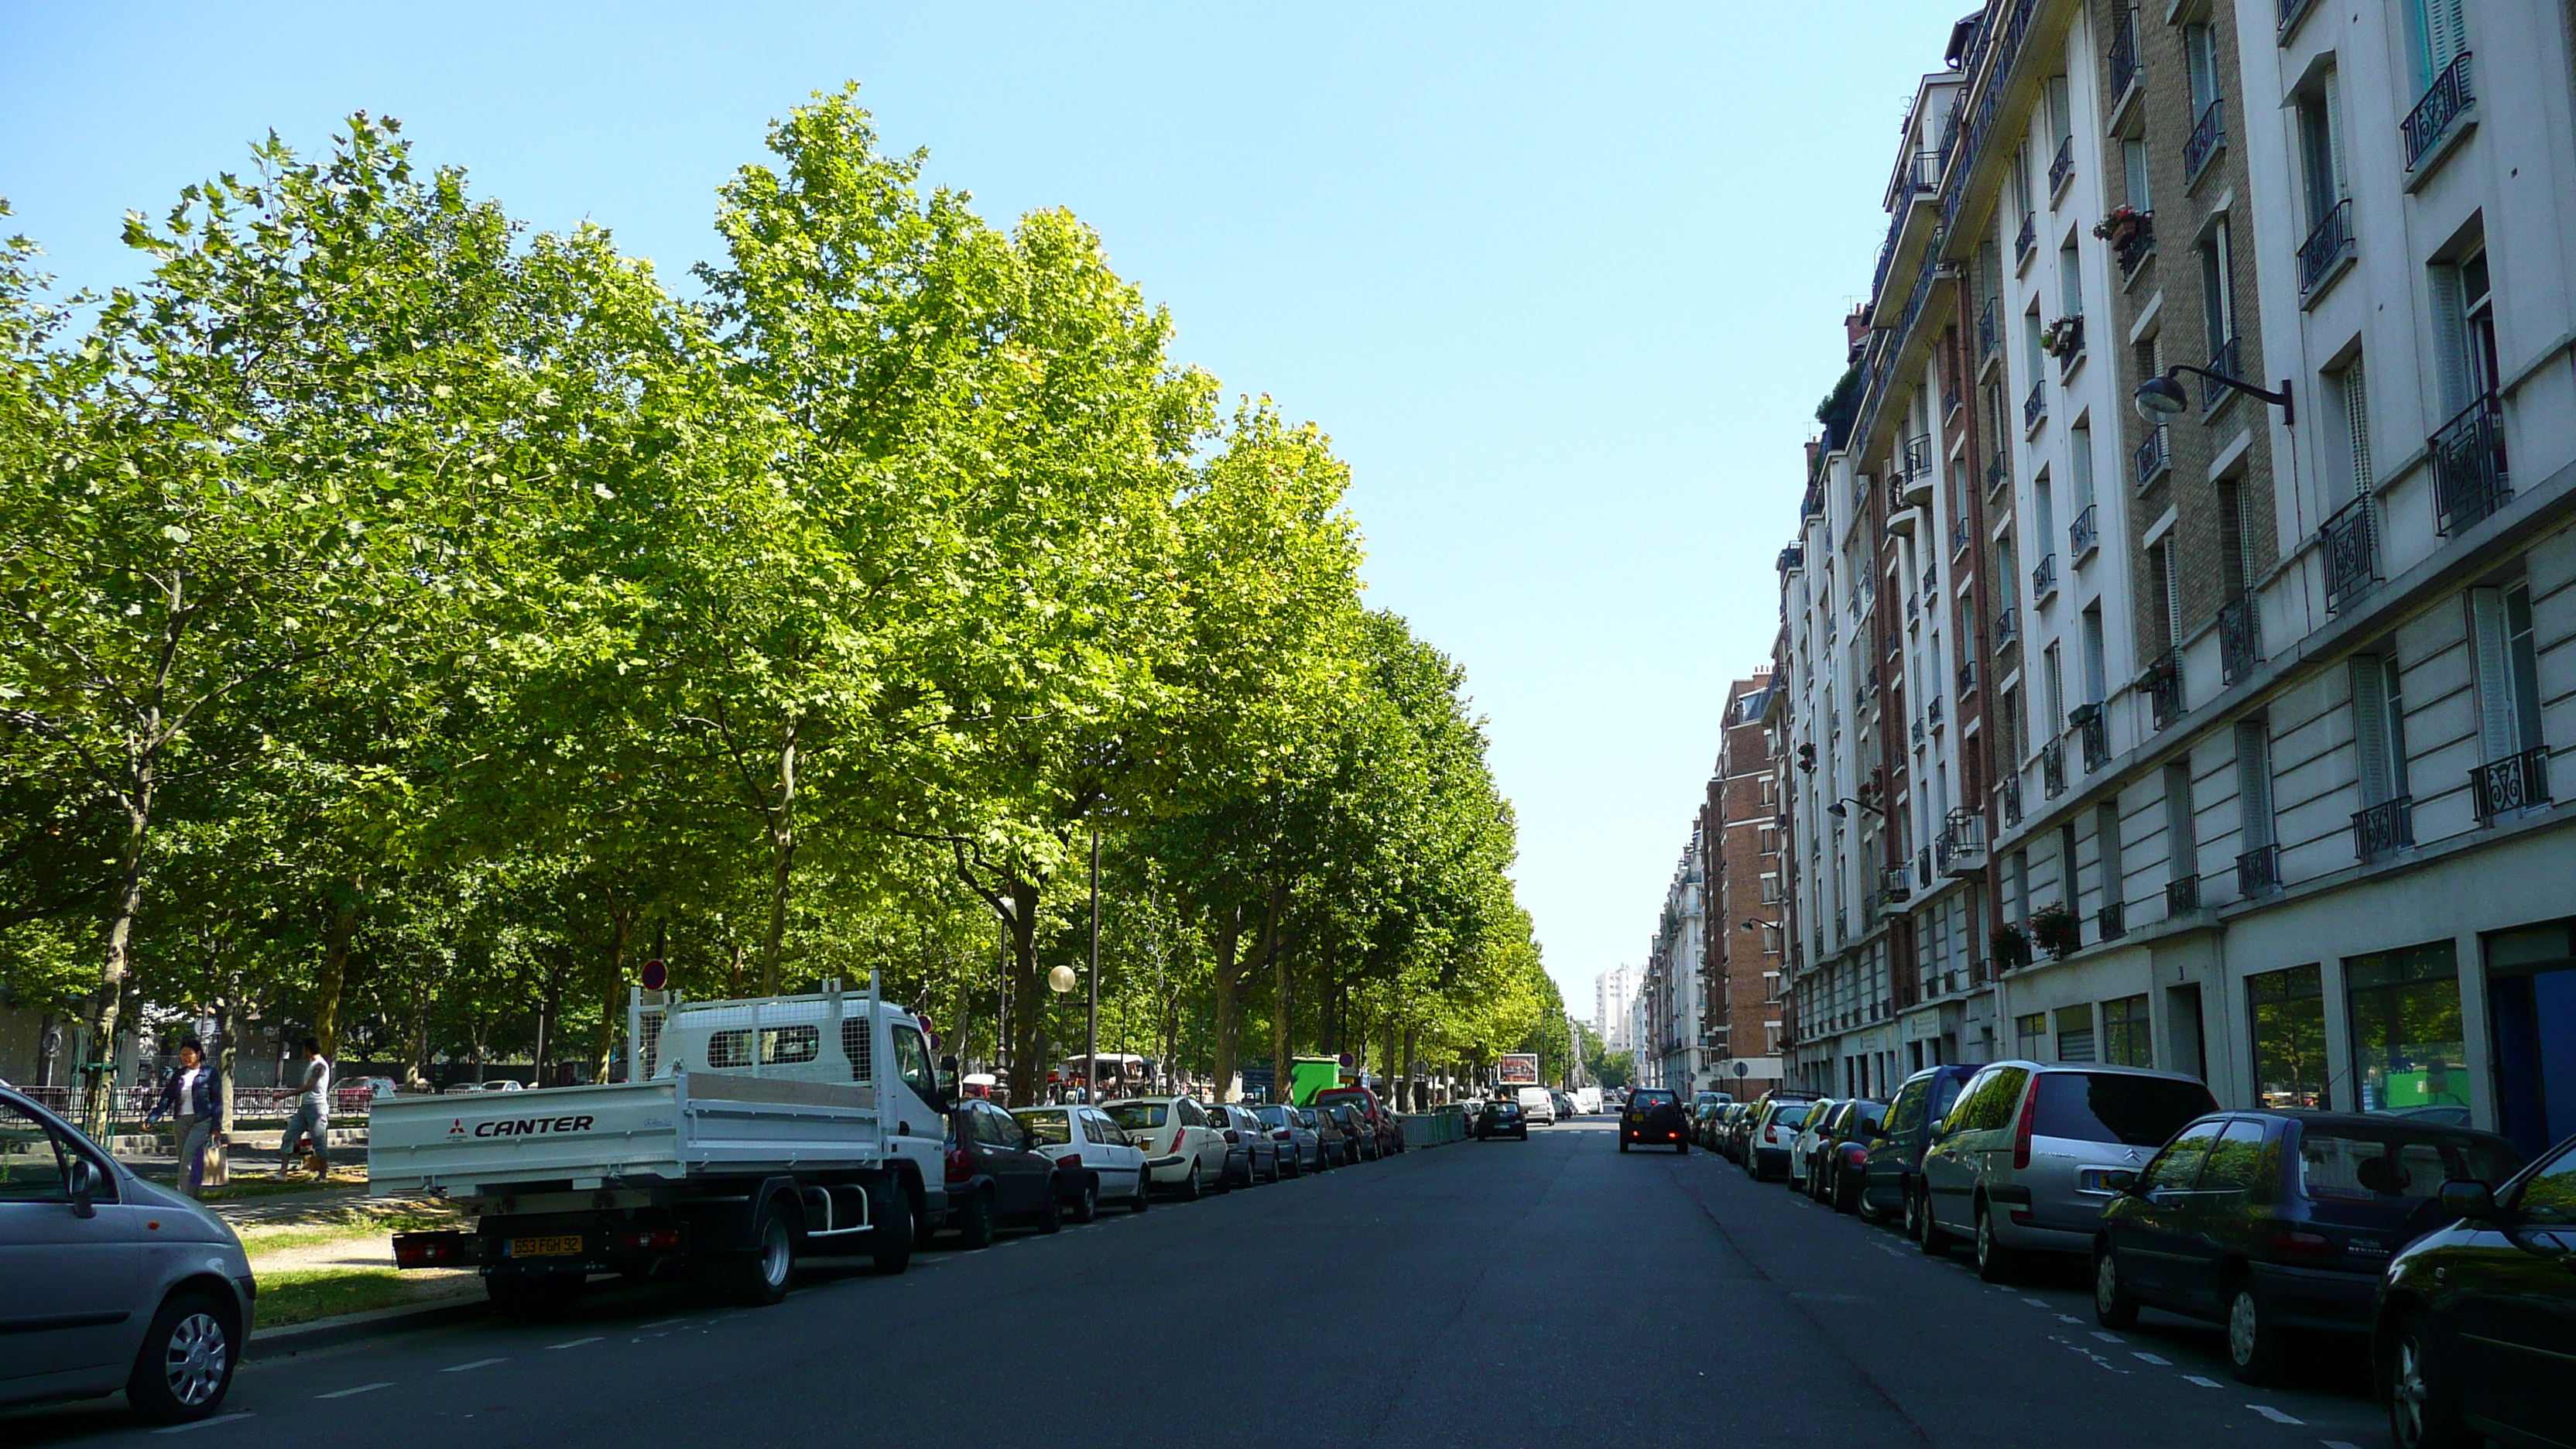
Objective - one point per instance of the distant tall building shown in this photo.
(1612, 992)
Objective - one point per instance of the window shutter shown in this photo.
(2450, 32)
(2254, 783)
(2356, 417)
(2342, 186)
(2370, 729)
(2495, 679)
(2451, 340)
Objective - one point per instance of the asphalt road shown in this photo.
(1490, 1293)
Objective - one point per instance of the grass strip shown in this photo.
(305, 1294)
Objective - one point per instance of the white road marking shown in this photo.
(574, 1342)
(665, 1323)
(351, 1393)
(2151, 1358)
(2036, 1302)
(203, 1423)
(2197, 1379)
(2339, 1444)
(478, 1363)
(2275, 1415)
(2108, 1337)
(2068, 1318)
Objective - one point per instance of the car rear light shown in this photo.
(2022, 1129)
(2297, 1243)
(1281, 1134)
(959, 1168)
(648, 1240)
(1855, 1154)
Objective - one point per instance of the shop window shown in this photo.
(2289, 1016)
(2408, 1049)
(2125, 1038)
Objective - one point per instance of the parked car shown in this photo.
(1094, 1157)
(1564, 1104)
(1842, 1154)
(1184, 1152)
(1895, 1157)
(1727, 1132)
(1654, 1119)
(1333, 1146)
(1259, 1161)
(1536, 1104)
(2475, 1323)
(2023, 1161)
(1501, 1119)
(2277, 1222)
(1704, 1110)
(1299, 1153)
(1767, 1135)
(100, 1303)
(1803, 1145)
(1358, 1139)
(997, 1175)
(1381, 1122)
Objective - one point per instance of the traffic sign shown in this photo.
(656, 975)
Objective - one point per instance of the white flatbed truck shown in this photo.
(756, 1132)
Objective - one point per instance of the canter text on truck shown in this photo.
(523, 1126)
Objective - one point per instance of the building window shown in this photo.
(2106, 851)
(2075, 1033)
(2289, 1020)
(2218, 299)
(2133, 158)
(2030, 1035)
(2054, 677)
(2438, 31)
(2017, 881)
(2125, 1036)
(2070, 283)
(2200, 66)
(2079, 468)
(2097, 681)
(2347, 391)
(2378, 728)
(2254, 782)
(2235, 541)
(2464, 330)
(2408, 1049)
(2167, 582)
(2182, 827)
(2508, 671)
(2321, 169)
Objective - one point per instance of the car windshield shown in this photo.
(1139, 1115)
(2346, 1162)
(2116, 1107)
(1789, 1114)
(1272, 1116)
(1050, 1126)
(1643, 1100)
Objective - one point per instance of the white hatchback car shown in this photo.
(1093, 1154)
(1809, 1141)
(1537, 1105)
(1183, 1149)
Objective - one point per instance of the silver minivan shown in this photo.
(2024, 1159)
(110, 1282)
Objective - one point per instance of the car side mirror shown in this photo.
(2473, 1201)
(2121, 1182)
(85, 1187)
(1933, 1127)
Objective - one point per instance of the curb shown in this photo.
(295, 1338)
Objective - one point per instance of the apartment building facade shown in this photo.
(1741, 894)
(1612, 993)
(2269, 677)
(1675, 1052)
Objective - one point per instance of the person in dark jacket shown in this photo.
(193, 1100)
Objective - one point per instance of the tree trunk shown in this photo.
(1412, 1070)
(782, 861)
(1394, 1064)
(1229, 1009)
(333, 977)
(621, 932)
(1279, 1007)
(1028, 1073)
(110, 998)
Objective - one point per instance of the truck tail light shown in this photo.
(2022, 1129)
(431, 1250)
(649, 1240)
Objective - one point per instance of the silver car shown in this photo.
(1300, 1149)
(1261, 1151)
(2023, 1160)
(110, 1282)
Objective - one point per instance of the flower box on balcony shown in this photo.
(2054, 929)
(2064, 338)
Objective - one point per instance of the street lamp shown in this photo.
(2162, 397)
(1837, 811)
(1757, 925)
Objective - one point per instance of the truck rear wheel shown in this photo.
(762, 1276)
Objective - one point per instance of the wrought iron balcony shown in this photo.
(2043, 577)
(2511, 784)
(1792, 558)
(1918, 732)
(1913, 607)
(1923, 173)
(1962, 847)
(2164, 687)
(1990, 332)
(2240, 639)
(2012, 800)
(1931, 583)
(2350, 543)
(1997, 474)
(2062, 169)
(2085, 534)
(2026, 239)
(2112, 921)
(2207, 135)
(2227, 360)
(2383, 829)
(2068, 335)
(1967, 676)
(1917, 456)
(1895, 886)
(2124, 54)
(2182, 895)
(1932, 712)
(2035, 407)
(2258, 871)
(2093, 730)
(2449, 98)
(1958, 537)
(2136, 244)
(2328, 244)
(2153, 457)
(1900, 509)
(2052, 768)
(2470, 479)
(2007, 627)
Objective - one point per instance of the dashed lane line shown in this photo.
(2151, 1358)
(2197, 1379)
(353, 1393)
(2275, 1415)
(476, 1364)
(203, 1423)
(574, 1342)
(665, 1323)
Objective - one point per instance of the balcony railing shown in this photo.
(2043, 577)
(2328, 243)
(1962, 847)
(2124, 54)
(2007, 627)
(2383, 829)
(2052, 768)
(1932, 712)
(2164, 688)
(1931, 584)
(2240, 639)
(2470, 480)
(2207, 135)
(2350, 542)
(2449, 98)
(2153, 457)
(1990, 333)
(1967, 675)
(2026, 238)
(1897, 505)
(2035, 406)
(2226, 360)
(2062, 169)
(2182, 895)
(1895, 885)
(2093, 730)
(1923, 173)
(1918, 732)
(2012, 800)
(2070, 342)
(2510, 784)
(2258, 871)
(1958, 537)
(2112, 921)
(2135, 244)
(2085, 533)
(1997, 474)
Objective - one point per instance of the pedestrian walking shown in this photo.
(193, 1100)
(312, 1119)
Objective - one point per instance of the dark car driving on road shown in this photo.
(1653, 1119)
(1502, 1119)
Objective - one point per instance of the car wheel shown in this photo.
(532, 1295)
(1623, 1144)
(1144, 1197)
(2253, 1342)
(186, 1363)
(2423, 1411)
(1994, 1260)
(1086, 1207)
(1051, 1212)
(2112, 1305)
(1929, 1234)
(890, 1208)
(1274, 1168)
(975, 1221)
(1190, 1186)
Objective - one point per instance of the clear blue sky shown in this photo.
(1564, 284)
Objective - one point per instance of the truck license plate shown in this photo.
(550, 1246)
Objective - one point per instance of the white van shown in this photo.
(1537, 1104)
